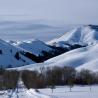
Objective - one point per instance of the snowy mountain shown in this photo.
(41, 49)
(12, 56)
(86, 57)
(34, 46)
(82, 35)
(82, 58)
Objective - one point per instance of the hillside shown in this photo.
(83, 57)
(82, 35)
(34, 46)
(12, 56)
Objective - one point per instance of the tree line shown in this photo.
(47, 77)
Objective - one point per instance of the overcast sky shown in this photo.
(67, 11)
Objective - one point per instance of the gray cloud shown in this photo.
(68, 11)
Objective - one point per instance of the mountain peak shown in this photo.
(34, 46)
(81, 35)
(11, 56)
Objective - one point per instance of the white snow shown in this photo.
(77, 92)
(7, 57)
(82, 58)
(59, 92)
(35, 46)
(86, 58)
(22, 93)
(80, 35)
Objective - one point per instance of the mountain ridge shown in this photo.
(83, 35)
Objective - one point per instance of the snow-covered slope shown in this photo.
(86, 57)
(34, 46)
(82, 58)
(83, 35)
(11, 56)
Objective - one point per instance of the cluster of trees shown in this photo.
(57, 51)
(51, 77)
(32, 79)
(47, 77)
(8, 79)
(32, 56)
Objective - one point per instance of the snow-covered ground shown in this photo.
(59, 92)
(23, 93)
(77, 92)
